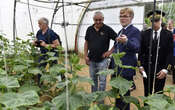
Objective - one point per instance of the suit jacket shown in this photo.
(130, 48)
(164, 54)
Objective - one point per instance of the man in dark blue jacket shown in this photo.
(45, 37)
(128, 41)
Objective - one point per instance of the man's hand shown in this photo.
(122, 39)
(43, 44)
(161, 75)
(106, 54)
(87, 60)
(34, 42)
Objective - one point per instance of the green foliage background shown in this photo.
(168, 8)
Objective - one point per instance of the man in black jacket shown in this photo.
(162, 49)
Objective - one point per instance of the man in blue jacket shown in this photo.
(128, 41)
(45, 37)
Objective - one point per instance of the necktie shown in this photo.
(155, 36)
(123, 30)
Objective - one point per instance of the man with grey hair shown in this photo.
(171, 28)
(45, 37)
(42, 36)
(97, 40)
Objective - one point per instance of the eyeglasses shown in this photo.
(155, 20)
(98, 19)
(124, 16)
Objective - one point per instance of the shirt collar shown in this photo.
(158, 31)
(127, 26)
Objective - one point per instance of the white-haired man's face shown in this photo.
(98, 20)
(42, 25)
(170, 25)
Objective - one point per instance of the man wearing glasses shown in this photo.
(97, 40)
(128, 41)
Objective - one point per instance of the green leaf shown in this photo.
(114, 108)
(48, 78)
(94, 107)
(75, 101)
(171, 107)
(29, 61)
(106, 72)
(13, 100)
(157, 102)
(75, 80)
(87, 98)
(134, 100)
(106, 107)
(49, 106)
(99, 95)
(85, 79)
(3, 72)
(62, 70)
(127, 67)
(122, 84)
(57, 69)
(78, 67)
(52, 59)
(74, 59)
(19, 68)
(113, 93)
(30, 34)
(34, 71)
(117, 57)
(9, 82)
(28, 87)
(60, 101)
(34, 108)
(51, 54)
(10, 109)
(170, 88)
(61, 84)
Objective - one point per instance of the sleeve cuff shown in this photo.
(140, 67)
(165, 71)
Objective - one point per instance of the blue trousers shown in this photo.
(99, 80)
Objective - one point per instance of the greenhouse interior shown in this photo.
(87, 55)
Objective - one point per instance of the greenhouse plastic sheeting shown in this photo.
(73, 15)
(111, 18)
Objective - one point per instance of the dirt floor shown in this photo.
(137, 80)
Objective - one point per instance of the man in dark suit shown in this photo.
(128, 41)
(162, 48)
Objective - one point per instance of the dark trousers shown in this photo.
(119, 103)
(173, 73)
(43, 65)
(173, 69)
(159, 85)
